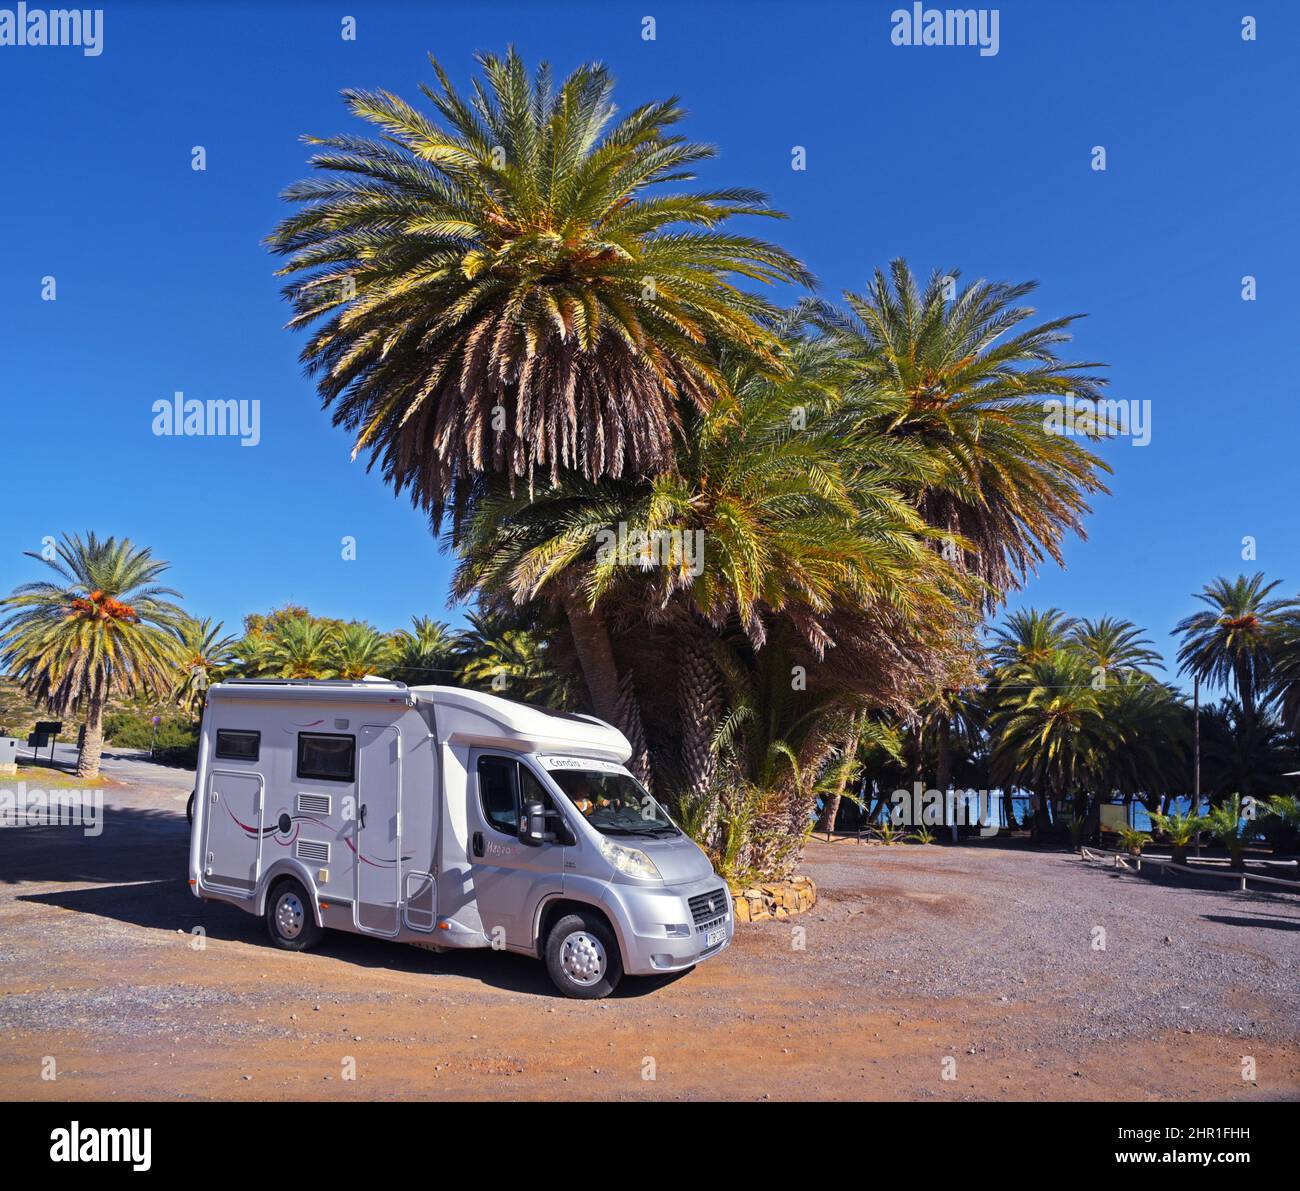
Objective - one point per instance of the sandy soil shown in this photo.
(977, 963)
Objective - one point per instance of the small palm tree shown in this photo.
(1226, 822)
(204, 656)
(1231, 643)
(1282, 811)
(1133, 841)
(105, 628)
(253, 655)
(1179, 830)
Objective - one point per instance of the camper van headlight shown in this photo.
(632, 861)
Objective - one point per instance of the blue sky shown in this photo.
(938, 154)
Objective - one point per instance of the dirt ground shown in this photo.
(923, 973)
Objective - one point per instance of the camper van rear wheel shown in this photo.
(289, 918)
(582, 957)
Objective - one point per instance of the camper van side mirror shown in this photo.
(532, 826)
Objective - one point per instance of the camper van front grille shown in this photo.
(705, 907)
(313, 850)
(314, 804)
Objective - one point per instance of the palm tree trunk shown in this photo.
(629, 721)
(93, 743)
(832, 808)
(1042, 815)
(943, 763)
(611, 700)
(830, 812)
(699, 704)
(595, 653)
(1008, 808)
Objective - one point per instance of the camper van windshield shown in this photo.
(614, 803)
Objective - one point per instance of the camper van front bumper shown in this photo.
(673, 927)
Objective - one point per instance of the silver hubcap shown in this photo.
(582, 958)
(289, 916)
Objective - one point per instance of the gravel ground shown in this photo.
(1021, 925)
(912, 956)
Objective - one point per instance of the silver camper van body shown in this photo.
(387, 810)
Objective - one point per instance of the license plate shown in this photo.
(715, 937)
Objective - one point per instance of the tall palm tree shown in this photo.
(967, 381)
(1114, 646)
(1147, 753)
(505, 288)
(1244, 755)
(358, 650)
(425, 652)
(1050, 730)
(511, 661)
(205, 654)
(1285, 651)
(104, 628)
(1231, 643)
(798, 523)
(301, 647)
(1030, 636)
(504, 285)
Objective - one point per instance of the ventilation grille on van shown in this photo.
(705, 907)
(314, 804)
(313, 850)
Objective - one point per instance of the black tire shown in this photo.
(189, 808)
(289, 918)
(583, 943)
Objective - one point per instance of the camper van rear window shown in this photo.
(326, 756)
(238, 746)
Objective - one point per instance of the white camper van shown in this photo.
(446, 818)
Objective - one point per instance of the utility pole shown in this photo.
(1196, 755)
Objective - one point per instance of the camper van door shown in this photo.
(379, 828)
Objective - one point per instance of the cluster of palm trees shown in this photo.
(541, 336)
(103, 628)
(291, 643)
(546, 340)
(1074, 713)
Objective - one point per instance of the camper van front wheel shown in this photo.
(582, 957)
(289, 918)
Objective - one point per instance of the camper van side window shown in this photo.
(237, 746)
(326, 756)
(496, 792)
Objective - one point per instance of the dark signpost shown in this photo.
(45, 732)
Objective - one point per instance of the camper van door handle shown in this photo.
(478, 843)
(361, 816)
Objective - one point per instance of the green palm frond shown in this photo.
(505, 286)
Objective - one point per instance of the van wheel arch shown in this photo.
(557, 908)
(305, 932)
